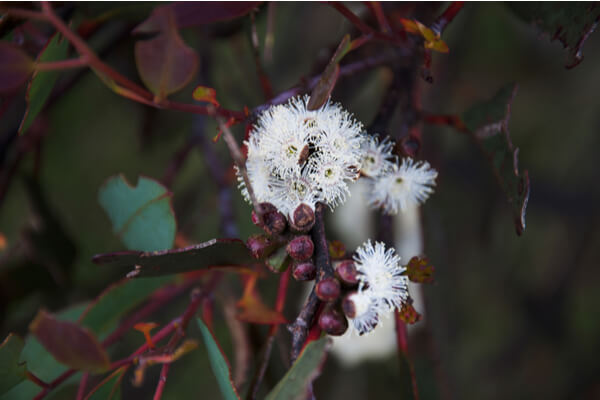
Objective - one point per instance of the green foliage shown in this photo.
(218, 363)
(141, 215)
(293, 384)
(488, 122)
(42, 83)
(216, 253)
(570, 23)
(11, 371)
(118, 300)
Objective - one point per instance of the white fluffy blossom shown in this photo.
(408, 184)
(377, 156)
(298, 156)
(382, 286)
(366, 316)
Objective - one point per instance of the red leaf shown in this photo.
(253, 310)
(69, 343)
(15, 67)
(165, 63)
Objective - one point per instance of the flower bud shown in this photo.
(304, 271)
(333, 322)
(260, 245)
(303, 218)
(300, 248)
(328, 289)
(347, 273)
(271, 221)
(348, 306)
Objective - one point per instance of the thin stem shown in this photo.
(269, 36)
(238, 159)
(62, 64)
(447, 16)
(82, 385)
(162, 380)
(268, 347)
(265, 83)
(24, 14)
(450, 120)
(33, 378)
(350, 16)
(301, 326)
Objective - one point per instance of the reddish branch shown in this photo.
(162, 380)
(268, 347)
(447, 16)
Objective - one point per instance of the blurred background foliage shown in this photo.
(508, 316)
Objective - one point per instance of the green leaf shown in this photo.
(165, 63)
(15, 67)
(12, 372)
(293, 384)
(569, 22)
(218, 363)
(488, 123)
(216, 253)
(118, 300)
(69, 343)
(142, 215)
(42, 83)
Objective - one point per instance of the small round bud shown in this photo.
(304, 271)
(328, 289)
(303, 218)
(347, 273)
(348, 306)
(300, 248)
(260, 245)
(271, 221)
(333, 322)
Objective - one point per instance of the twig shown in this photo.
(269, 35)
(345, 70)
(62, 64)
(402, 342)
(33, 378)
(82, 386)
(377, 11)
(265, 83)
(268, 347)
(450, 120)
(447, 16)
(162, 380)
(301, 326)
(350, 16)
(238, 159)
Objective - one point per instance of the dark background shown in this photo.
(508, 317)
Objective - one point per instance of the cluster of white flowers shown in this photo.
(394, 186)
(382, 285)
(296, 155)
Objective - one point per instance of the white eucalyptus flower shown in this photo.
(381, 276)
(377, 156)
(365, 317)
(410, 183)
(296, 155)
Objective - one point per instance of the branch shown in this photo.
(265, 83)
(447, 16)
(162, 380)
(301, 326)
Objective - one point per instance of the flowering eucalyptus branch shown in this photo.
(301, 326)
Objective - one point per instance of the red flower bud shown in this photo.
(333, 322)
(260, 245)
(300, 248)
(328, 289)
(347, 273)
(303, 219)
(271, 221)
(304, 271)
